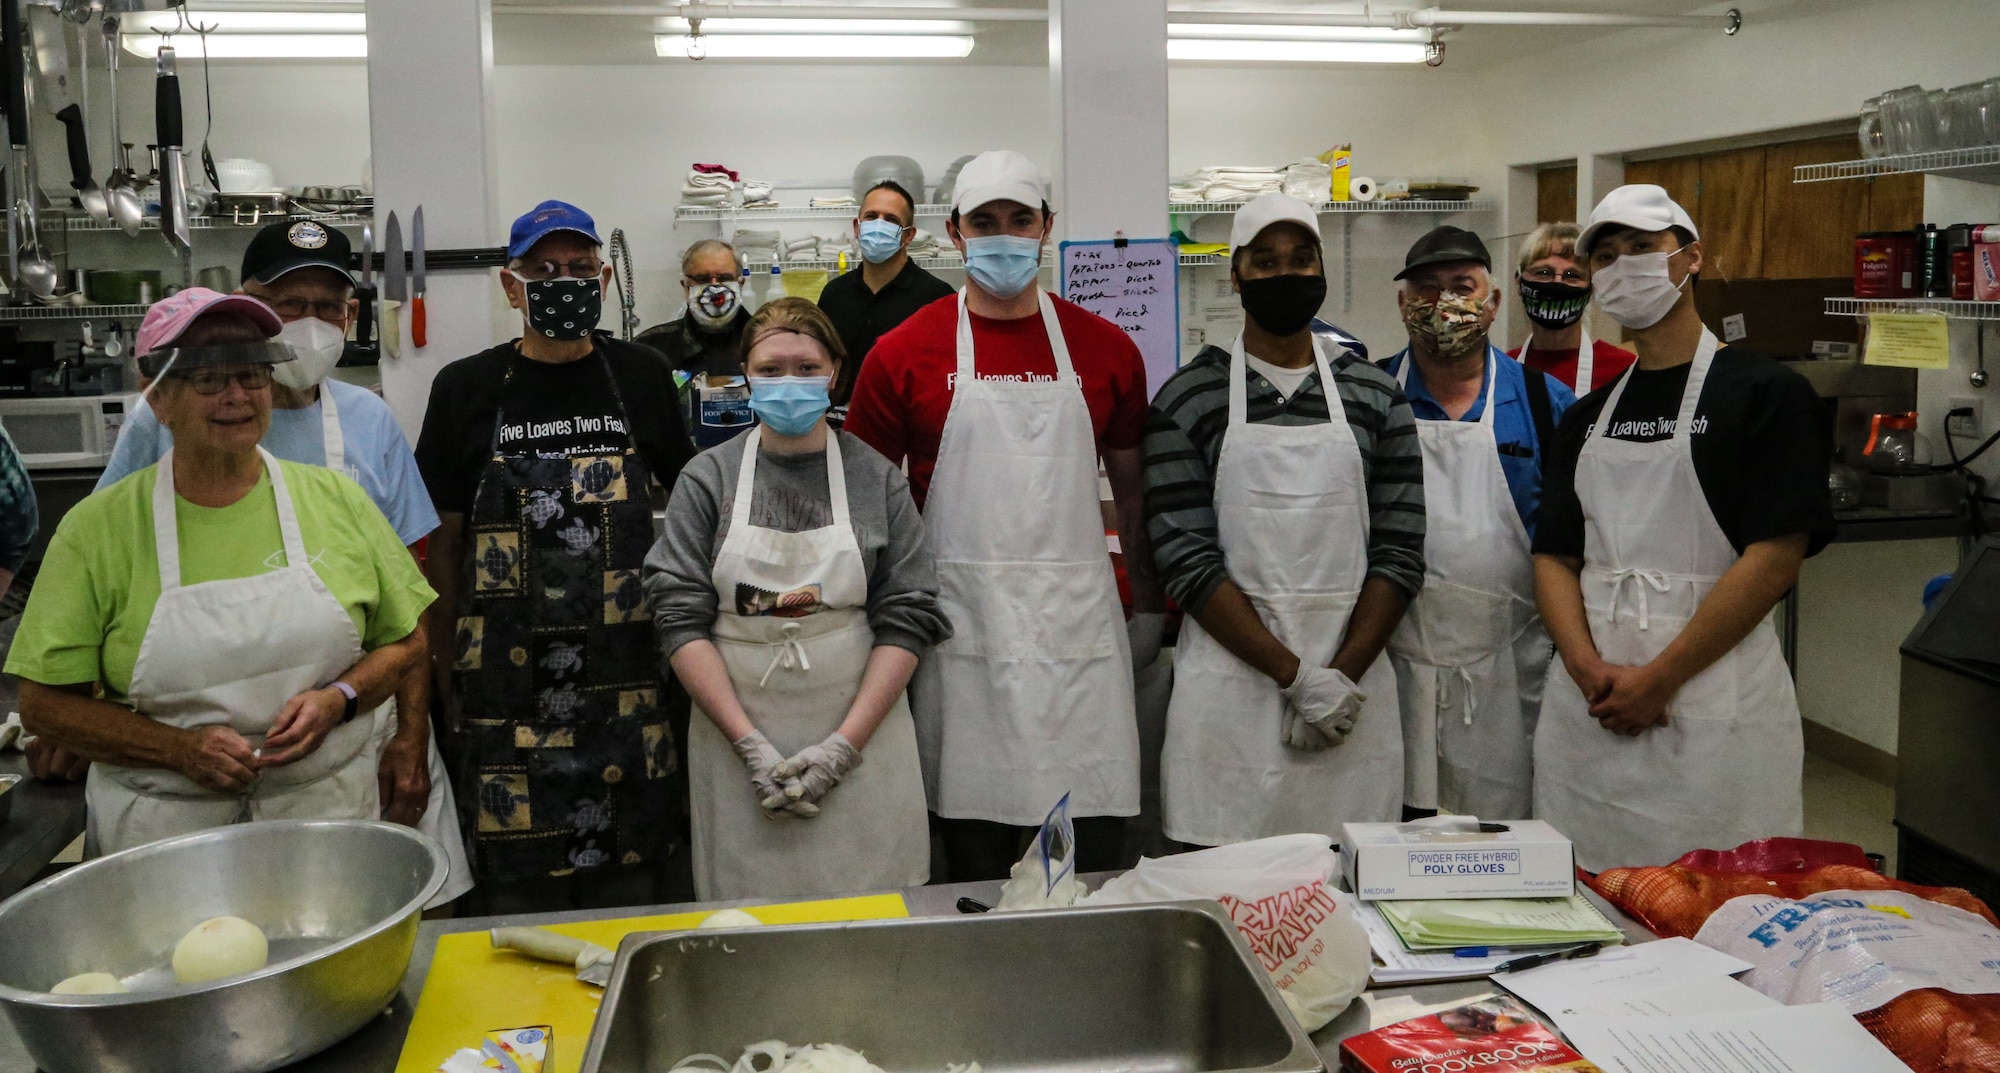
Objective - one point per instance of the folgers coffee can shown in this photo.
(1885, 264)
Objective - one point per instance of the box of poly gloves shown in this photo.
(1456, 857)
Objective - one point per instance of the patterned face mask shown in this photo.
(563, 308)
(1450, 326)
(1553, 304)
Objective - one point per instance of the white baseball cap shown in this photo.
(999, 175)
(1261, 212)
(1641, 206)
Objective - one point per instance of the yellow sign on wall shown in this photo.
(1908, 341)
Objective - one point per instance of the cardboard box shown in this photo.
(1986, 272)
(1456, 857)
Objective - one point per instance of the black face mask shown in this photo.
(1553, 304)
(563, 308)
(1283, 305)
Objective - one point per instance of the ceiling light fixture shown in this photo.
(1250, 51)
(221, 46)
(842, 27)
(811, 46)
(253, 22)
(1240, 31)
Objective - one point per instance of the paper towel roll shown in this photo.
(1361, 188)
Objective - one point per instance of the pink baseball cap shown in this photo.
(169, 317)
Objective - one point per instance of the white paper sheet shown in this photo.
(1657, 979)
(1821, 1038)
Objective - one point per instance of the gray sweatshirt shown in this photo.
(792, 496)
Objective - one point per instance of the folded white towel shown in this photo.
(842, 202)
(708, 178)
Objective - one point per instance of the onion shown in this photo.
(89, 983)
(731, 918)
(781, 1057)
(224, 946)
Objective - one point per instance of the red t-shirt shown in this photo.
(905, 387)
(1607, 362)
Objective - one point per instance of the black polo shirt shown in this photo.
(862, 316)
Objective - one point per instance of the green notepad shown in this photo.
(1443, 924)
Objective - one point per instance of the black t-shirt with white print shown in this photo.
(552, 411)
(1762, 443)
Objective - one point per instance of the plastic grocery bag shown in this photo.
(1278, 892)
(1309, 180)
(1045, 876)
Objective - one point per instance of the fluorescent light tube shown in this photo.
(815, 46)
(1185, 48)
(254, 22)
(816, 26)
(255, 46)
(1239, 31)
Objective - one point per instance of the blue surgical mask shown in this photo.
(789, 404)
(1003, 265)
(880, 239)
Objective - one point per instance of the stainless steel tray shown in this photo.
(1166, 988)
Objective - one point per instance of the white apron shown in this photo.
(1032, 697)
(795, 678)
(1470, 653)
(1291, 507)
(1586, 361)
(1727, 766)
(232, 653)
(440, 818)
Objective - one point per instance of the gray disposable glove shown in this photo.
(1327, 699)
(763, 760)
(1145, 630)
(817, 769)
(1303, 736)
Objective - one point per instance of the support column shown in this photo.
(1518, 208)
(1108, 75)
(430, 69)
(1597, 176)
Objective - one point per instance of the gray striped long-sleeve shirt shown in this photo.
(1184, 441)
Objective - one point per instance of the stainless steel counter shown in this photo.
(44, 818)
(375, 1048)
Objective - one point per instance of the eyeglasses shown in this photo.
(541, 271)
(712, 279)
(293, 308)
(1545, 274)
(216, 381)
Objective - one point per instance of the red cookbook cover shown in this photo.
(1492, 1035)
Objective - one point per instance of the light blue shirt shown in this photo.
(378, 455)
(1513, 422)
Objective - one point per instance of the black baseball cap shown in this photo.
(281, 247)
(1442, 244)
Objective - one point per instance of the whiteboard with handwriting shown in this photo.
(1134, 285)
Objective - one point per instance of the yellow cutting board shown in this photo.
(473, 989)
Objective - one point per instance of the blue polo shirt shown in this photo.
(1513, 422)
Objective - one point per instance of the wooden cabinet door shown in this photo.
(1555, 195)
(1679, 176)
(1895, 202)
(1729, 212)
(1809, 228)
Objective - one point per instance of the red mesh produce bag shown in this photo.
(1931, 1031)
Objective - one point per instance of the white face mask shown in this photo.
(1637, 290)
(318, 346)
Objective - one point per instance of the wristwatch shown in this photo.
(353, 701)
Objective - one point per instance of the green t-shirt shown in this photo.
(100, 579)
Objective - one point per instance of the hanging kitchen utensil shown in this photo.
(60, 71)
(120, 195)
(419, 333)
(33, 272)
(621, 277)
(173, 166)
(395, 289)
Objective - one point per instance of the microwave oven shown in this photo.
(66, 433)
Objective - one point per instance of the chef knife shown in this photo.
(62, 96)
(592, 962)
(395, 288)
(173, 166)
(364, 292)
(418, 325)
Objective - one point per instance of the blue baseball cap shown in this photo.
(546, 219)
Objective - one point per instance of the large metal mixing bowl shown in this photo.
(339, 900)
